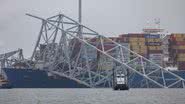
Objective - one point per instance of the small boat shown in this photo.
(120, 82)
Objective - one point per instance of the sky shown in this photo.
(108, 17)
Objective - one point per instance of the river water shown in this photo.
(92, 96)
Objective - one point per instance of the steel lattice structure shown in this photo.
(11, 58)
(65, 47)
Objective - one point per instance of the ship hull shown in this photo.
(29, 78)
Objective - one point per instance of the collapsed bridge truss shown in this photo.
(67, 48)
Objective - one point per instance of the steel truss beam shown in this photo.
(10, 58)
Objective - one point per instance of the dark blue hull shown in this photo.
(136, 81)
(29, 78)
(6, 86)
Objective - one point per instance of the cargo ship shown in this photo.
(144, 44)
(32, 78)
(148, 44)
(35, 78)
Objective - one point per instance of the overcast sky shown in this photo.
(109, 17)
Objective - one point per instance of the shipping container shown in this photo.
(180, 39)
(138, 44)
(122, 40)
(172, 39)
(135, 35)
(181, 55)
(155, 47)
(152, 48)
(139, 50)
(153, 40)
(153, 43)
(180, 43)
(158, 48)
(154, 36)
(123, 36)
(180, 51)
(133, 40)
(182, 47)
(156, 58)
(107, 40)
(141, 39)
(181, 65)
(178, 35)
(181, 59)
(155, 51)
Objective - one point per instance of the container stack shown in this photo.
(137, 44)
(124, 38)
(154, 47)
(177, 50)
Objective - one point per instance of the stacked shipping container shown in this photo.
(177, 50)
(154, 47)
(147, 45)
(137, 44)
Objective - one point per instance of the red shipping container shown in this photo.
(139, 35)
(180, 51)
(172, 37)
(181, 65)
(180, 43)
(123, 35)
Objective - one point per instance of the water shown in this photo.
(92, 96)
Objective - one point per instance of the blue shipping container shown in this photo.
(152, 36)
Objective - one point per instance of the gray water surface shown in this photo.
(92, 96)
